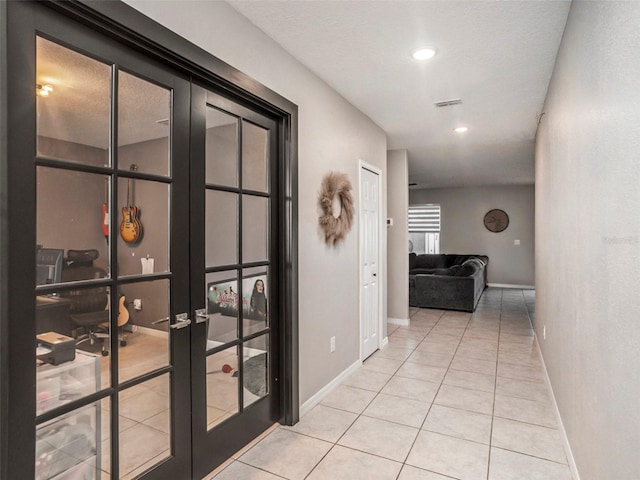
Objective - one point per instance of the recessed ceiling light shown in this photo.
(423, 53)
(461, 129)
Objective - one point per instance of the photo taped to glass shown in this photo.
(255, 290)
(222, 308)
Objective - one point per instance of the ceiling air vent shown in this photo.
(448, 103)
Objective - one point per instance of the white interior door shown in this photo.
(369, 261)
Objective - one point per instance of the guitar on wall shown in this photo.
(130, 227)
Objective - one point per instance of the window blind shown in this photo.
(424, 218)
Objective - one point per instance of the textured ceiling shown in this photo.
(497, 56)
(79, 108)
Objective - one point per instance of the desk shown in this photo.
(52, 315)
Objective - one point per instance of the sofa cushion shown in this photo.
(469, 267)
(413, 259)
(431, 261)
(434, 271)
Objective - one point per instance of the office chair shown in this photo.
(89, 309)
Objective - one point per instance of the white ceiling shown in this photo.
(497, 56)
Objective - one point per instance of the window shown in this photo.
(424, 228)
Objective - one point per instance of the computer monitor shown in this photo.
(49, 265)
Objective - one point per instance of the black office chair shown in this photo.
(89, 308)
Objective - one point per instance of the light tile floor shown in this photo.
(454, 395)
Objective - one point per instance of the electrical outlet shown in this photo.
(332, 344)
(544, 332)
(137, 304)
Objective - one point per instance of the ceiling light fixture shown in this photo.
(43, 90)
(424, 53)
(461, 129)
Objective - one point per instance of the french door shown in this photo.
(234, 276)
(154, 208)
(112, 311)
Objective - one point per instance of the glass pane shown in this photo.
(74, 108)
(222, 386)
(222, 308)
(144, 115)
(65, 369)
(145, 422)
(72, 446)
(255, 221)
(255, 361)
(69, 221)
(143, 336)
(143, 239)
(255, 157)
(221, 228)
(221, 148)
(256, 295)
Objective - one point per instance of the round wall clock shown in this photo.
(496, 220)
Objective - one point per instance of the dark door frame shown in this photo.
(132, 29)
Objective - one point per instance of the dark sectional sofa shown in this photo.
(447, 281)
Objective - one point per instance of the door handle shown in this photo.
(182, 321)
(162, 320)
(201, 315)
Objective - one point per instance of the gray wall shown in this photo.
(333, 135)
(398, 234)
(588, 237)
(462, 228)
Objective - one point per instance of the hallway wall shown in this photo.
(462, 213)
(333, 135)
(588, 237)
(398, 234)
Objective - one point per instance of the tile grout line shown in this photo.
(495, 386)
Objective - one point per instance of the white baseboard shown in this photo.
(403, 322)
(327, 389)
(385, 342)
(511, 285)
(152, 332)
(563, 432)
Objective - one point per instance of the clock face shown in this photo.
(496, 220)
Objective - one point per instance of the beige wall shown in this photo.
(588, 237)
(333, 135)
(398, 234)
(462, 228)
